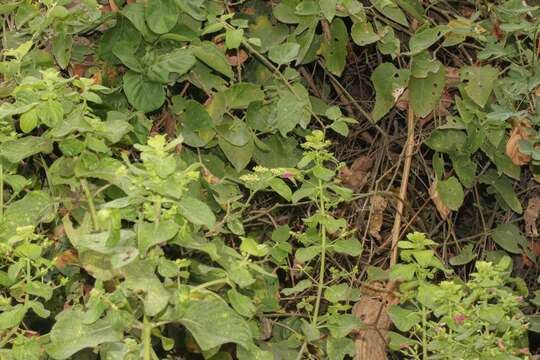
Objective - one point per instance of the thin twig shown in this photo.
(409, 146)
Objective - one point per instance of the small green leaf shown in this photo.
(211, 55)
(402, 318)
(150, 234)
(197, 211)
(424, 38)
(143, 94)
(451, 192)
(61, 48)
(233, 38)
(351, 247)
(479, 81)
(464, 257)
(363, 34)
(339, 348)
(284, 53)
(509, 238)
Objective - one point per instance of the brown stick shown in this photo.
(409, 146)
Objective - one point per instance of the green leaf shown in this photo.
(196, 117)
(70, 334)
(423, 64)
(298, 288)
(308, 253)
(424, 38)
(465, 169)
(239, 156)
(447, 141)
(135, 13)
(178, 61)
(32, 209)
(334, 51)
(389, 9)
(280, 152)
(451, 192)
(17, 150)
(12, 318)
(479, 81)
(387, 79)
(402, 318)
(242, 304)
(197, 211)
(341, 292)
(61, 48)
(509, 238)
(161, 15)
(29, 120)
(338, 349)
(363, 34)
(281, 188)
(503, 188)
(284, 53)
(464, 257)
(143, 94)
(240, 95)
(251, 247)
(233, 38)
(425, 93)
(150, 234)
(351, 247)
(211, 55)
(212, 323)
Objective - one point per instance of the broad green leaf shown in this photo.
(251, 247)
(196, 117)
(509, 238)
(150, 234)
(197, 211)
(334, 51)
(502, 187)
(242, 304)
(135, 12)
(351, 247)
(212, 323)
(305, 254)
(29, 120)
(240, 95)
(239, 156)
(270, 34)
(479, 82)
(402, 318)
(161, 15)
(423, 64)
(328, 8)
(389, 9)
(338, 349)
(465, 256)
(233, 38)
(211, 55)
(61, 48)
(34, 208)
(492, 313)
(451, 192)
(281, 187)
(447, 141)
(388, 82)
(124, 35)
(178, 61)
(363, 34)
(279, 152)
(425, 93)
(341, 292)
(465, 169)
(70, 334)
(12, 317)
(284, 53)
(424, 38)
(143, 94)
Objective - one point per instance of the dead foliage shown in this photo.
(519, 132)
(531, 215)
(357, 175)
(378, 205)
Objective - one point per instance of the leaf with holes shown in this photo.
(425, 93)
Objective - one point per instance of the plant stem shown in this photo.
(424, 338)
(323, 258)
(90, 201)
(147, 337)
(1, 192)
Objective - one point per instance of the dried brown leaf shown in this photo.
(378, 205)
(531, 215)
(443, 210)
(357, 175)
(519, 132)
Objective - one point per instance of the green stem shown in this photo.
(323, 258)
(90, 201)
(424, 337)
(210, 283)
(147, 337)
(1, 192)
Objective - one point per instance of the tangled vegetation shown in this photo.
(269, 180)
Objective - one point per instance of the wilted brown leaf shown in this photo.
(68, 257)
(519, 132)
(357, 175)
(402, 102)
(443, 210)
(531, 215)
(237, 58)
(378, 204)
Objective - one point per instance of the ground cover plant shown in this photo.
(269, 180)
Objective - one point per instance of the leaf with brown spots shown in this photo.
(443, 210)
(68, 257)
